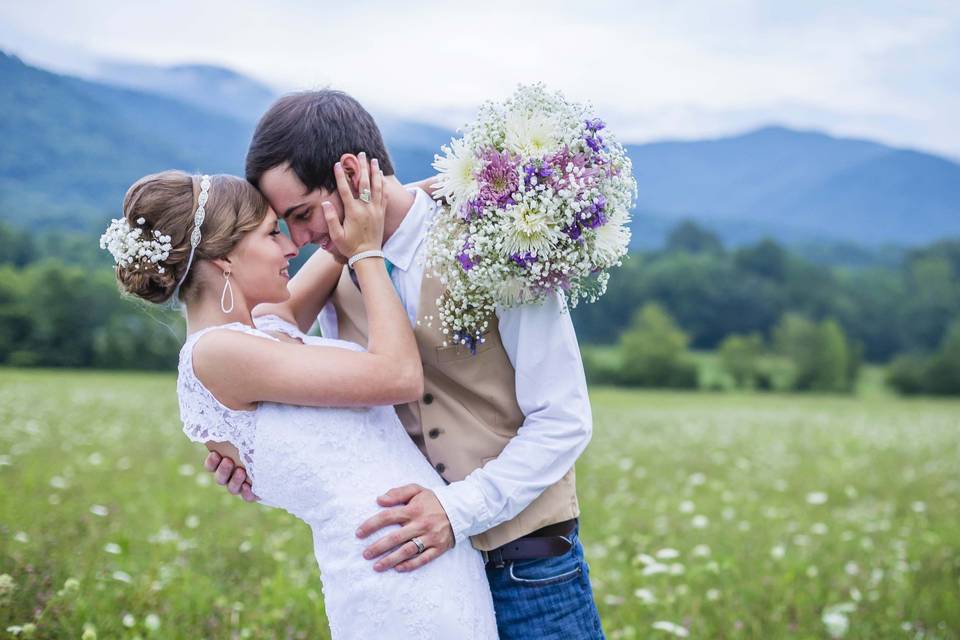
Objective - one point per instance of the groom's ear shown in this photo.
(351, 167)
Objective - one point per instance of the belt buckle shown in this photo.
(496, 559)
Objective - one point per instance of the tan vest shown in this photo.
(468, 412)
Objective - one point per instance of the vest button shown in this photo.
(428, 398)
(434, 433)
(441, 467)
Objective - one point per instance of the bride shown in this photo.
(311, 418)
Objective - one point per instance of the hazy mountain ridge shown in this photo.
(71, 148)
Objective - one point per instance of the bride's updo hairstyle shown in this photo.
(164, 204)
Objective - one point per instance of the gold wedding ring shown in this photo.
(365, 195)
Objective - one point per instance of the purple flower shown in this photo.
(574, 231)
(591, 216)
(498, 179)
(541, 172)
(595, 143)
(594, 125)
(593, 139)
(472, 210)
(470, 341)
(464, 258)
(524, 259)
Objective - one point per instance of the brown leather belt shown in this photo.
(547, 542)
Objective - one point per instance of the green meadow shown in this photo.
(704, 515)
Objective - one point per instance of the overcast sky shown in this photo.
(884, 70)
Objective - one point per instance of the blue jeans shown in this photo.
(546, 598)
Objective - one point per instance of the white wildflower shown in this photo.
(645, 596)
(122, 576)
(835, 619)
(672, 628)
(654, 569)
(152, 622)
(7, 585)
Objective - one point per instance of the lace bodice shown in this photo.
(204, 417)
(326, 466)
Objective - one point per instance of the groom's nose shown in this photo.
(299, 235)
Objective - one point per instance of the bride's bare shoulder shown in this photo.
(221, 357)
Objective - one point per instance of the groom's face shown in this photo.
(300, 208)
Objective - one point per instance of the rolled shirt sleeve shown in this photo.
(552, 394)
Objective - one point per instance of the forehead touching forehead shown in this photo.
(284, 190)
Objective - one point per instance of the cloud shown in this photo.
(872, 68)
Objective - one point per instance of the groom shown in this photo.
(503, 427)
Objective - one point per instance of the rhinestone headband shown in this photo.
(195, 234)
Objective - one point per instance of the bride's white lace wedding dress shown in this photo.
(327, 466)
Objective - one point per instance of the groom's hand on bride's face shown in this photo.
(419, 513)
(226, 472)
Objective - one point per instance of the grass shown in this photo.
(731, 515)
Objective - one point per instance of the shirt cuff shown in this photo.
(465, 508)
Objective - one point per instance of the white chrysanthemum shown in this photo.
(511, 291)
(612, 240)
(529, 227)
(458, 172)
(530, 135)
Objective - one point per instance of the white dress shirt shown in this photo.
(551, 391)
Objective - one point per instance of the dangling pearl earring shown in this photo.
(223, 296)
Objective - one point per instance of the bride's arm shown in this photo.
(315, 281)
(389, 372)
(427, 184)
(309, 290)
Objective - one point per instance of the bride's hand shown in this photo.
(362, 227)
(430, 185)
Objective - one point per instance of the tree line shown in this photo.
(777, 320)
(757, 306)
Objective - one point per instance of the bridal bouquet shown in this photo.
(538, 200)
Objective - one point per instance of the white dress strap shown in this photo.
(276, 323)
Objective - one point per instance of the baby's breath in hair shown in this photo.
(130, 249)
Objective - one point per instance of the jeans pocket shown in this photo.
(545, 571)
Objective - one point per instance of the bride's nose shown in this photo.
(289, 248)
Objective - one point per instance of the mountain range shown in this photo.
(71, 146)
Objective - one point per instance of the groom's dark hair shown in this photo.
(311, 130)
